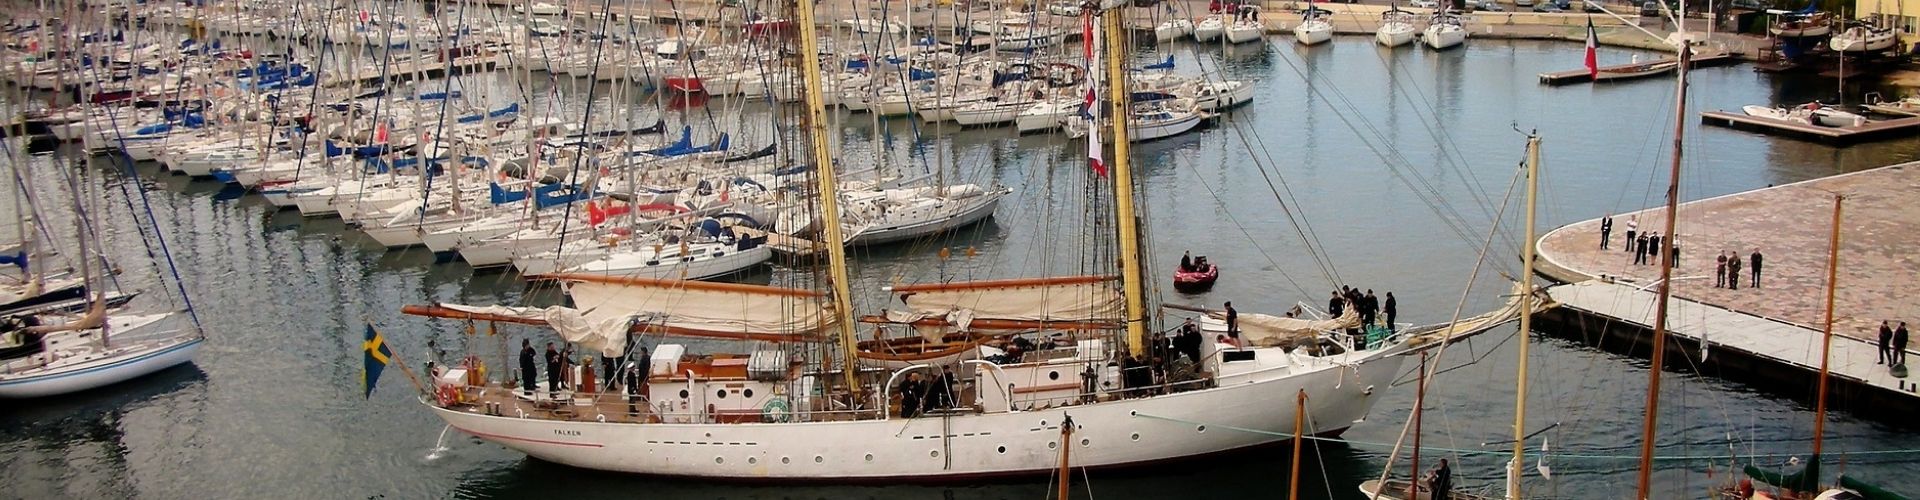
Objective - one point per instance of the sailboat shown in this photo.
(51, 354)
(805, 405)
(1444, 30)
(1315, 26)
(1396, 27)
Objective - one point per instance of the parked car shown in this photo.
(1523, 3)
(1591, 6)
(1650, 9)
(1068, 9)
(1424, 4)
(1487, 5)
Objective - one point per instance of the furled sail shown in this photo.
(610, 308)
(1071, 302)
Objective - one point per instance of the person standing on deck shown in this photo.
(609, 371)
(1719, 272)
(1233, 323)
(1606, 230)
(1370, 308)
(1391, 309)
(1886, 344)
(1733, 271)
(1442, 481)
(1900, 344)
(646, 368)
(634, 375)
(1757, 258)
(1633, 228)
(553, 371)
(527, 370)
(1333, 304)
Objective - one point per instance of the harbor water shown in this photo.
(1392, 163)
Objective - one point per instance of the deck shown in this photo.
(1876, 129)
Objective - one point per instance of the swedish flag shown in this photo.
(377, 357)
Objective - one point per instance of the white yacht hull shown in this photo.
(1313, 32)
(978, 208)
(97, 373)
(1394, 34)
(1116, 433)
(1445, 38)
(632, 266)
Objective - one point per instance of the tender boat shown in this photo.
(1197, 280)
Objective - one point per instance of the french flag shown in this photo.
(1088, 109)
(1593, 60)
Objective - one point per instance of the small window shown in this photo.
(722, 394)
(748, 393)
(683, 394)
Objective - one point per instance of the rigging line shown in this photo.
(1243, 231)
(1301, 225)
(1472, 278)
(1534, 452)
(1435, 204)
(580, 147)
(146, 202)
(1476, 189)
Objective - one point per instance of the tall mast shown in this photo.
(1666, 275)
(1526, 323)
(816, 126)
(1826, 338)
(1118, 111)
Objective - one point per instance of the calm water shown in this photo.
(1396, 159)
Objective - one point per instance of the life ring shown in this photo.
(776, 410)
(447, 395)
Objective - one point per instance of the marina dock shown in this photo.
(1582, 75)
(1873, 130)
(1770, 334)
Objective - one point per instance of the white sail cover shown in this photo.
(606, 312)
(704, 306)
(1266, 330)
(1088, 300)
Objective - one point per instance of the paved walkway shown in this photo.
(1789, 224)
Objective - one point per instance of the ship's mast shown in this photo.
(815, 122)
(1114, 35)
(1666, 286)
(1826, 337)
(1526, 324)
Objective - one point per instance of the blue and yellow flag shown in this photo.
(377, 358)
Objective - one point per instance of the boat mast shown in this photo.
(816, 126)
(1666, 275)
(1117, 115)
(1526, 323)
(1419, 407)
(1826, 337)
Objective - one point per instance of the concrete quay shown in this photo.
(1772, 333)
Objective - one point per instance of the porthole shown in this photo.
(1053, 375)
(752, 460)
(869, 457)
(719, 460)
(1086, 442)
(819, 459)
(1052, 445)
(748, 393)
(1136, 436)
(934, 453)
(1003, 450)
(785, 460)
(1200, 429)
(722, 394)
(683, 394)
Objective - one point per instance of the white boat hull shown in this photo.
(632, 266)
(966, 445)
(1313, 32)
(1444, 38)
(100, 373)
(1394, 34)
(977, 208)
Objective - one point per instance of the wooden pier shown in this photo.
(1768, 335)
(1873, 130)
(1582, 75)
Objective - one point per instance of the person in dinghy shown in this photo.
(1195, 274)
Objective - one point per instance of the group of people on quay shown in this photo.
(1646, 248)
(1893, 344)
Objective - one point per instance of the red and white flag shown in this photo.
(1593, 42)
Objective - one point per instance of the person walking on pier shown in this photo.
(1719, 272)
(1900, 345)
(1886, 344)
(1606, 229)
(1756, 267)
(1733, 271)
